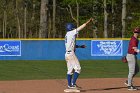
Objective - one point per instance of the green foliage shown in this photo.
(73, 2)
(134, 22)
(88, 8)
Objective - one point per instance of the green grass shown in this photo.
(29, 70)
(104, 69)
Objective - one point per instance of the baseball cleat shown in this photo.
(132, 88)
(76, 86)
(71, 87)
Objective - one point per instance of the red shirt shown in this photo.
(133, 43)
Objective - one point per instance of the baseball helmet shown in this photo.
(136, 30)
(70, 26)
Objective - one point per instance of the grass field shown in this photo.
(29, 70)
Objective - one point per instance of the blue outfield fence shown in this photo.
(47, 49)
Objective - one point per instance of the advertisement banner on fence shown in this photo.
(106, 48)
(10, 48)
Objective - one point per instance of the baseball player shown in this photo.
(132, 58)
(73, 65)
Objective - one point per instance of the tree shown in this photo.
(43, 19)
(73, 2)
(105, 20)
(17, 18)
(54, 18)
(25, 18)
(47, 18)
(123, 17)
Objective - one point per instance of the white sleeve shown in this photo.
(74, 31)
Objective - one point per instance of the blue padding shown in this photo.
(55, 50)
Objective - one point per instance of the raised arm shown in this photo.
(83, 25)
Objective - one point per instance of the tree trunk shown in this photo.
(123, 17)
(3, 26)
(113, 25)
(17, 19)
(71, 13)
(105, 20)
(18, 26)
(43, 19)
(49, 25)
(54, 16)
(77, 4)
(33, 21)
(25, 23)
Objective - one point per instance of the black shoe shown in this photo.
(132, 88)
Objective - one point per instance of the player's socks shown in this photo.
(75, 78)
(69, 77)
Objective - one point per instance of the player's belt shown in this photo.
(69, 51)
(132, 54)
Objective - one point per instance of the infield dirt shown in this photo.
(95, 85)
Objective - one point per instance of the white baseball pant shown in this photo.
(72, 63)
(133, 67)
